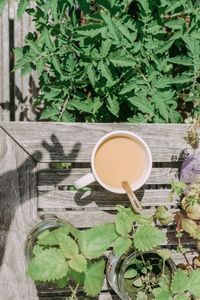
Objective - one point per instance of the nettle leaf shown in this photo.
(180, 282)
(145, 5)
(53, 237)
(53, 6)
(121, 61)
(128, 87)
(141, 296)
(113, 105)
(69, 247)
(49, 112)
(94, 278)
(114, 33)
(105, 72)
(121, 245)
(142, 104)
(164, 253)
(130, 273)
(22, 7)
(2, 4)
(86, 105)
(62, 282)
(78, 263)
(95, 241)
(147, 237)
(175, 24)
(166, 81)
(194, 279)
(191, 227)
(181, 60)
(163, 215)
(48, 265)
(182, 297)
(105, 47)
(91, 74)
(123, 223)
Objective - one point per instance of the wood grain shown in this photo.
(67, 177)
(48, 142)
(4, 65)
(102, 199)
(18, 207)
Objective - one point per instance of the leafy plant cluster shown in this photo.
(67, 254)
(150, 278)
(117, 60)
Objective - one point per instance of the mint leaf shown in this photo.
(48, 265)
(95, 241)
(121, 245)
(68, 247)
(94, 278)
(147, 237)
(78, 263)
(180, 282)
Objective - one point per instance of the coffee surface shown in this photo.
(119, 158)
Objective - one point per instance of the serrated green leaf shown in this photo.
(105, 47)
(121, 245)
(53, 237)
(128, 87)
(49, 112)
(142, 104)
(182, 297)
(114, 34)
(22, 5)
(123, 223)
(91, 74)
(94, 241)
(175, 24)
(113, 105)
(57, 65)
(2, 5)
(36, 249)
(62, 282)
(122, 61)
(53, 6)
(78, 263)
(180, 282)
(130, 273)
(77, 276)
(163, 215)
(94, 278)
(68, 247)
(105, 72)
(86, 105)
(166, 81)
(164, 253)
(164, 295)
(145, 5)
(181, 60)
(191, 227)
(148, 237)
(48, 265)
(194, 279)
(141, 296)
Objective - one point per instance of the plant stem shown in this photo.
(63, 109)
(181, 249)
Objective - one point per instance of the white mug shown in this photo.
(92, 175)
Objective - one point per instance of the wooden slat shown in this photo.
(68, 177)
(48, 142)
(103, 199)
(25, 86)
(4, 66)
(18, 207)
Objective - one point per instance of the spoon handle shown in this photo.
(132, 197)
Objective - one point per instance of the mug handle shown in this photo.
(84, 181)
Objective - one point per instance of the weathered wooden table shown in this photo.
(31, 185)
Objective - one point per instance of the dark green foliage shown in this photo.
(117, 60)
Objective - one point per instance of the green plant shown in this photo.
(66, 255)
(118, 60)
(149, 277)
